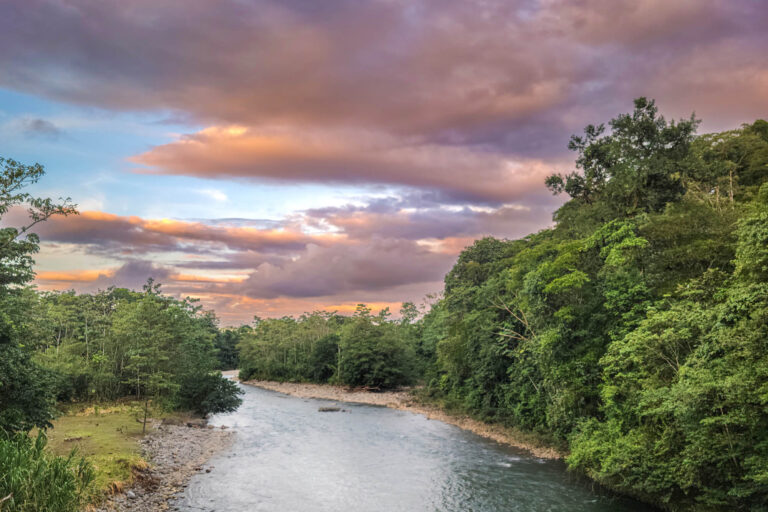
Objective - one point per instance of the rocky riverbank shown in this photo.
(175, 452)
(405, 400)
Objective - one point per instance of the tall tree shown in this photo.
(26, 397)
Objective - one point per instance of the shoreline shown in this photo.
(405, 401)
(175, 453)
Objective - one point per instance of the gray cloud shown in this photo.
(499, 73)
(37, 127)
(326, 271)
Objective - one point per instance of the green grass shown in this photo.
(33, 479)
(107, 436)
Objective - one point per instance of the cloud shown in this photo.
(323, 271)
(216, 195)
(37, 127)
(131, 234)
(498, 73)
(635, 24)
(374, 63)
(132, 275)
(236, 308)
(397, 219)
(461, 108)
(367, 252)
(348, 158)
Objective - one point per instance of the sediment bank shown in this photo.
(404, 400)
(175, 453)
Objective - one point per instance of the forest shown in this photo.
(59, 348)
(632, 334)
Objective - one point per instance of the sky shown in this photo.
(272, 157)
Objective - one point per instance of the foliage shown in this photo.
(31, 479)
(637, 167)
(225, 342)
(25, 396)
(26, 400)
(119, 343)
(362, 350)
(209, 394)
(633, 332)
(371, 354)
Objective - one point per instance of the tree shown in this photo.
(209, 393)
(26, 395)
(371, 354)
(632, 333)
(638, 167)
(226, 348)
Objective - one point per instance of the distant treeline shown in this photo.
(363, 350)
(634, 333)
(117, 343)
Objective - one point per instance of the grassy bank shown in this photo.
(108, 436)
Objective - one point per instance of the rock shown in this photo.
(131, 495)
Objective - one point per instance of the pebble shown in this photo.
(176, 452)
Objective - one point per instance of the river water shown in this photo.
(289, 457)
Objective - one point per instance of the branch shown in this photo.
(45, 212)
(522, 319)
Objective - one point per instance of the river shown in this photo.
(289, 457)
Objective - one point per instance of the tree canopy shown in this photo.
(632, 333)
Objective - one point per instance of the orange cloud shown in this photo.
(75, 276)
(234, 308)
(134, 233)
(347, 156)
(190, 278)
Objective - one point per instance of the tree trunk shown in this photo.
(146, 408)
(730, 188)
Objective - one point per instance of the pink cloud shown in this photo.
(347, 157)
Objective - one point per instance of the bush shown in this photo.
(26, 392)
(210, 394)
(32, 479)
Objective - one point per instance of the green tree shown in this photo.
(26, 398)
(371, 354)
(639, 166)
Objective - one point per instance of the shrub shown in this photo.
(210, 394)
(32, 479)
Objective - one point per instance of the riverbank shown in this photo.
(175, 452)
(405, 400)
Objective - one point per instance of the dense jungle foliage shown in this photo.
(633, 333)
(117, 343)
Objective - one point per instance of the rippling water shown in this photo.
(289, 457)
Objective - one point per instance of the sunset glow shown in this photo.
(274, 157)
